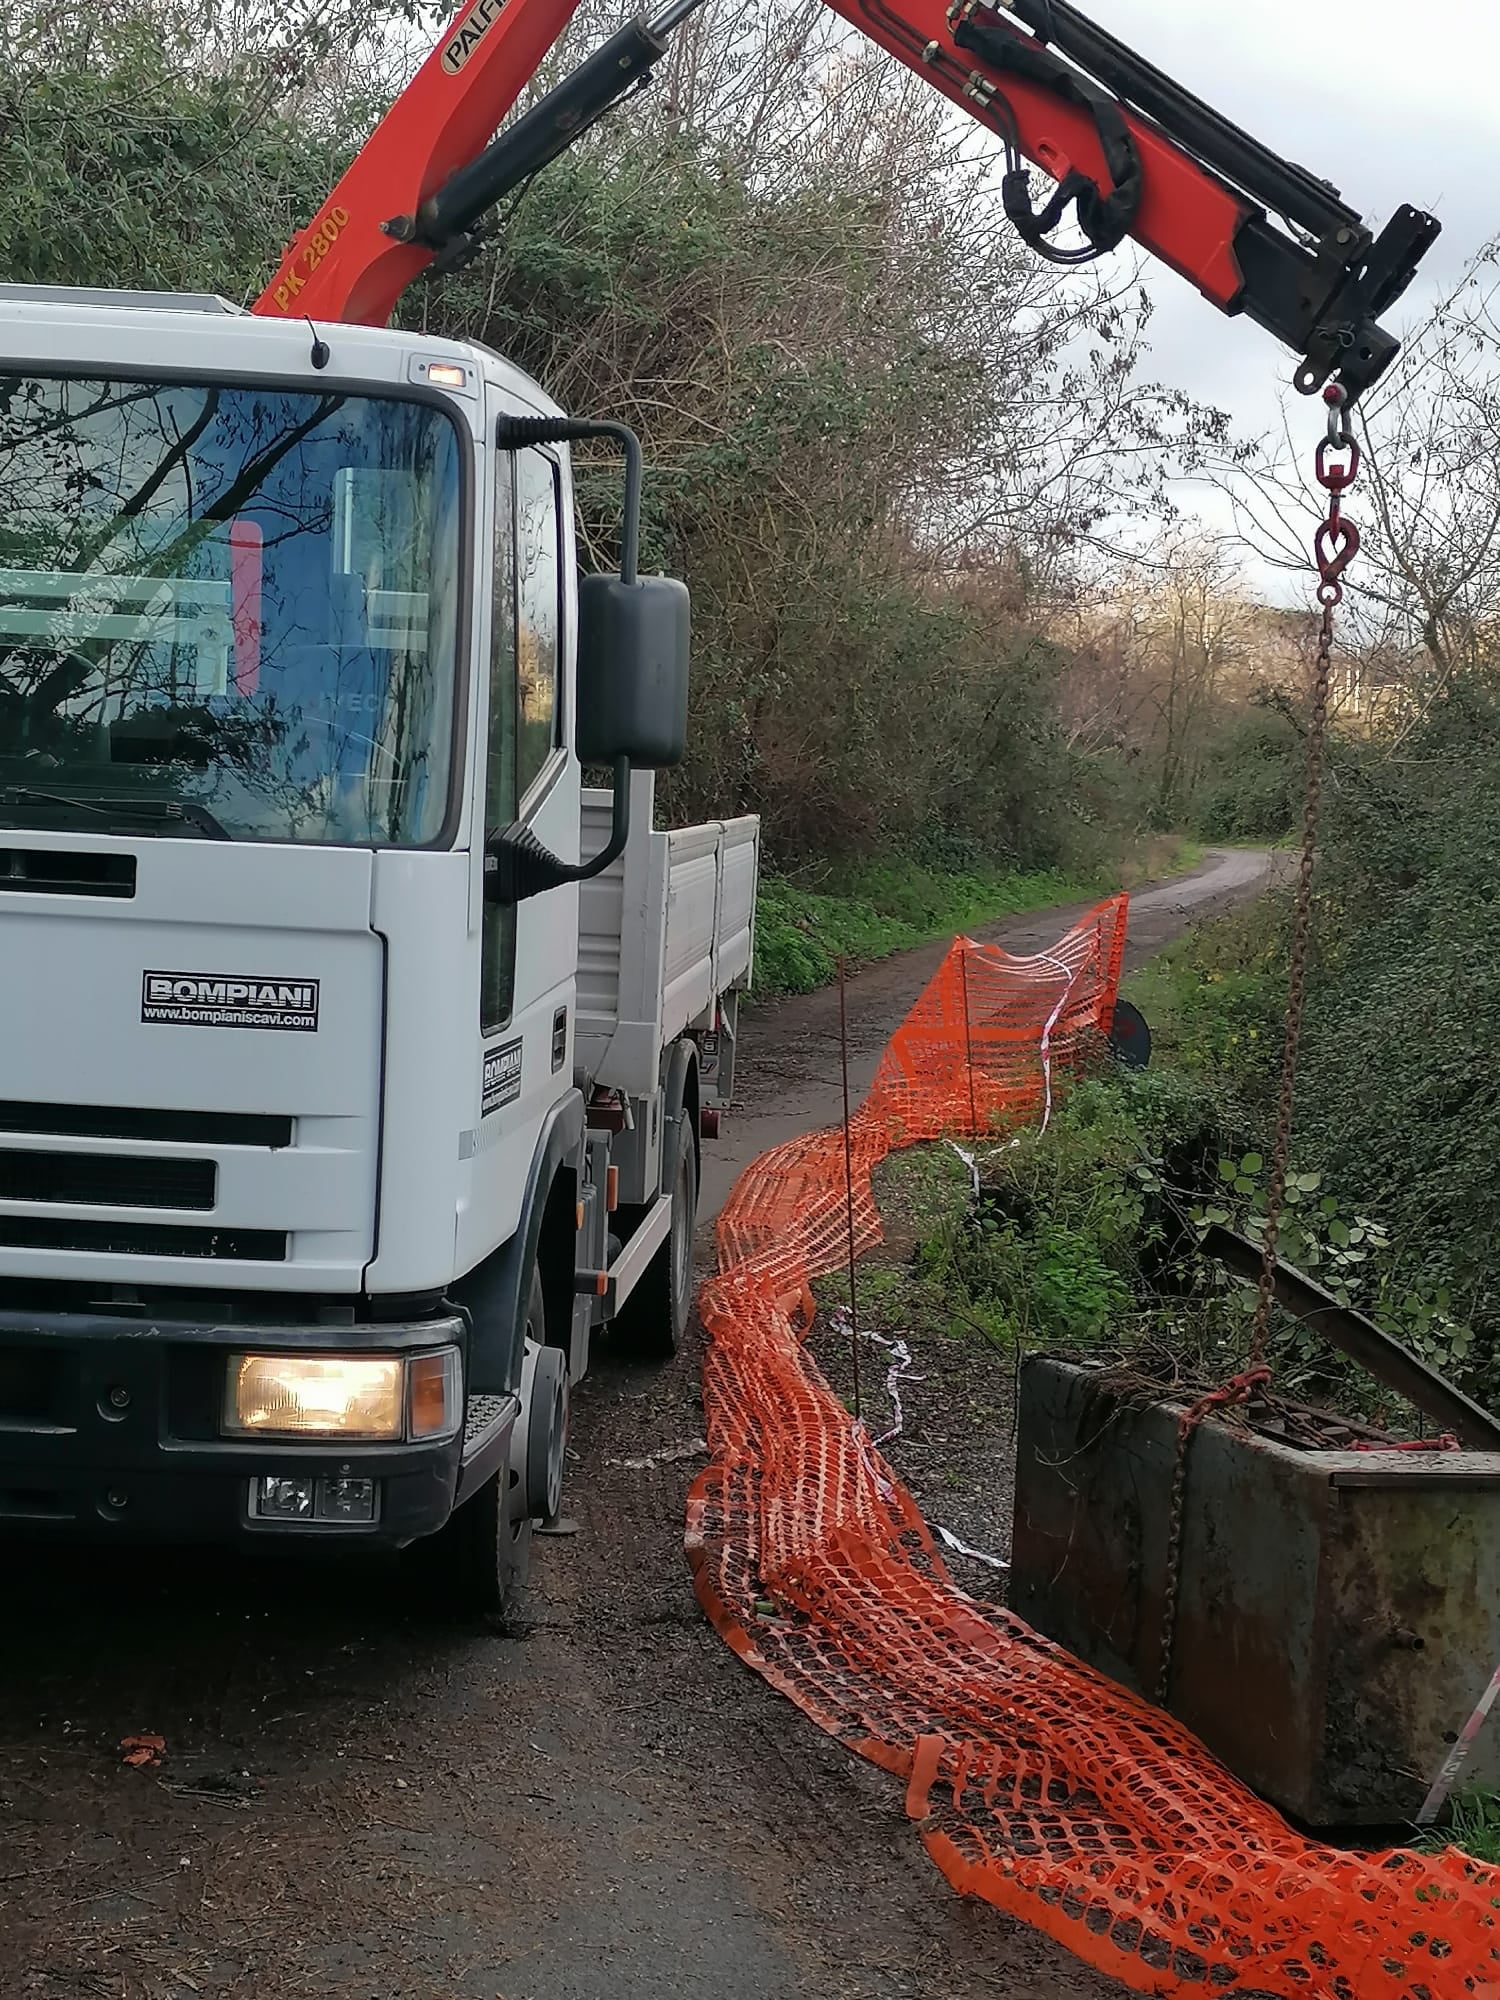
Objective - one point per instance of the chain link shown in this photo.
(1335, 546)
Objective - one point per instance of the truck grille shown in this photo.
(107, 1180)
(122, 1121)
(141, 1239)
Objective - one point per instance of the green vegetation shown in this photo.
(1474, 1826)
(865, 911)
(1250, 787)
(1086, 1238)
(1215, 998)
(885, 907)
(1398, 1100)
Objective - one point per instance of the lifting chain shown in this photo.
(1335, 546)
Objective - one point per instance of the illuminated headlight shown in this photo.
(375, 1397)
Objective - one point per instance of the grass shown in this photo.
(1047, 1256)
(1474, 1826)
(890, 906)
(922, 1194)
(1214, 999)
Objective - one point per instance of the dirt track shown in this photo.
(358, 1807)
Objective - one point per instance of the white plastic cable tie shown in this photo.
(864, 1445)
(949, 1540)
(670, 1454)
(900, 1365)
(971, 1163)
(841, 1321)
(1058, 965)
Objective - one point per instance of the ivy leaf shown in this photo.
(1227, 1170)
(1251, 1164)
(1338, 1232)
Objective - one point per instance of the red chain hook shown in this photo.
(1337, 541)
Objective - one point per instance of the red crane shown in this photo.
(1131, 152)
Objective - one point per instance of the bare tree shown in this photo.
(1424, 598)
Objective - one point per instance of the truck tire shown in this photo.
(651, 1323)
(483, 1555)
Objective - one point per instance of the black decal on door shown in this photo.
(501, 1079)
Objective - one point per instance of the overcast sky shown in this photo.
(1389, 103)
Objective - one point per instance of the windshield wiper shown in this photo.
(165, 813)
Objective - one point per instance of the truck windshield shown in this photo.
(226, 607)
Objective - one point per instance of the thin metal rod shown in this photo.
(849, 1193)
(671, 16)
(963, 975)
(1376, 1351)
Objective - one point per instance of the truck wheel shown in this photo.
(484, 1553)
(651, 1323)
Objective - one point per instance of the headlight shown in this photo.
(372, 1396)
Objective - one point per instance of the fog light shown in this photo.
(344, 1499)
(435, 1395)
(278, 1499)
(307, 1395)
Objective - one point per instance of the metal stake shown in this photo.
(849, 1194)
(963, 975)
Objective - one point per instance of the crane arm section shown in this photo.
(346, 265)
(1132, 154)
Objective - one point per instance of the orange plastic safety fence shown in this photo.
(1037, 1784)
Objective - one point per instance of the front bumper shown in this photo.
(110, 1430)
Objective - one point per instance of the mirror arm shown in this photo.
(516, 433)
(517, 865)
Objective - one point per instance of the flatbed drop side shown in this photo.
(322, 1153)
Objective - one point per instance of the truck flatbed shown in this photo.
(664, 935)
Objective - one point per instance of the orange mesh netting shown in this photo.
(1038, 1784)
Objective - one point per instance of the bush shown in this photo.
(1216, 1002)
(1054, 1252)
(1251, 787)
(1400, 1089)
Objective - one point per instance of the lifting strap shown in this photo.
(1105, 219)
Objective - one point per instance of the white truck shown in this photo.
(353, 1055)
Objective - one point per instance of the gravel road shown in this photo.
(356, 1805)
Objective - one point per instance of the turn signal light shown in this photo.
(434, 1394)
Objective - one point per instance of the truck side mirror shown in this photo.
(633, 641)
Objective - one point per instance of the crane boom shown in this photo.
(1132, 153)
(346, 265)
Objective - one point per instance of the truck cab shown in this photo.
(312, 1191)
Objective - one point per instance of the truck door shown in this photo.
(528, 953)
